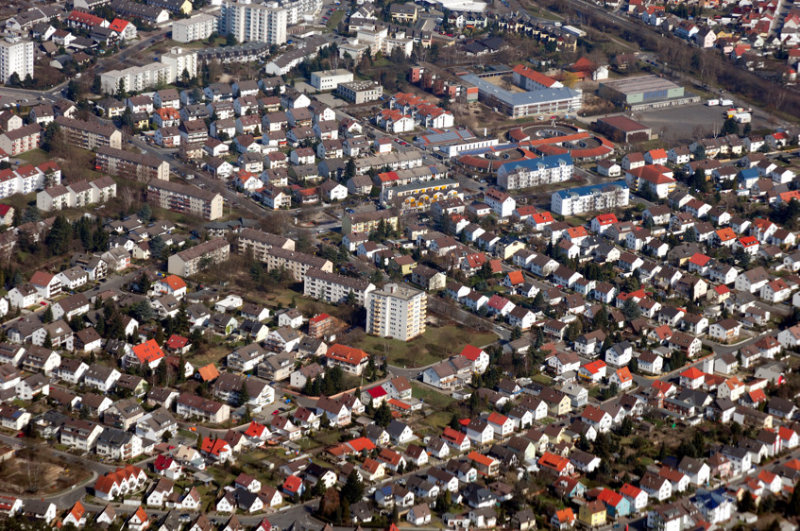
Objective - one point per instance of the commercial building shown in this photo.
(330, 79)
(623, 129)
(172, 67)
(555, 99)
(197, 258)
(592, 198)
(455, 141)
(186, 199)
(89, 134)
(535, 172)
(253, 22)
(333, 288)
(196, 28)
(360, 91)
(16, 57)
(641, 92)
(396, 311)
(130, 164)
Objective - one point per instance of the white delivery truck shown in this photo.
(726, 103)
(712, 103)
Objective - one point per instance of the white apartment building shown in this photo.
(396, 311)
(534, 172)
(297, 10)
(16, 55)
(583, 199)
(254, 22)
(196, 28)
(139, 78)
(330, 79)
(333, 288)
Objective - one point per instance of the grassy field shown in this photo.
(432, 398)
(336, 17)
(436, 344)
(35, 156)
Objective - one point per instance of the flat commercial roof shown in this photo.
(516, 99)
(623, 123)
(640, 84)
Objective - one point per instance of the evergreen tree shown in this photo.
(47, 315)
(353, 488)
(383, 415)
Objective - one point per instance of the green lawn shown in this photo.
(35, 156)
(432, 398)
(336, 17)
(436, 344)
(440, 419)
(542, 379)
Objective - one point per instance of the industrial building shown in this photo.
(623, 129)
(575, 201)
(641, 92)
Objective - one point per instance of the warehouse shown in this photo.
(623, 129)
(643, 92)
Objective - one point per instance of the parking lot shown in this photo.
(687, 122)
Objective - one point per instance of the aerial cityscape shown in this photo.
(338, 265)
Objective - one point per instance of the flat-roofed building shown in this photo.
(623, 129)
(196, 28)
(330, 79)
(358, 92)
(533, 172)
(574, 201)
(636, 90)
(396, 311)
(542, 100)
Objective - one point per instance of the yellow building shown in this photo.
(593, 514)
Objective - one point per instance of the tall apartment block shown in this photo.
(254, 22)
(396, 311)
(16, 56)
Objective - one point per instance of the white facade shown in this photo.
(254, 22)
(139, 78)
(396, 311)
(197, 28)
(590, 199)
(16, 56)
(330, 79)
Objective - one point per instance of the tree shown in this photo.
(793, 507)
(47, 315)
(353, 489)
(383, 415)
(350, 169)
(631, 310)
(59, 237)
(747, 503)
(145, 213)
